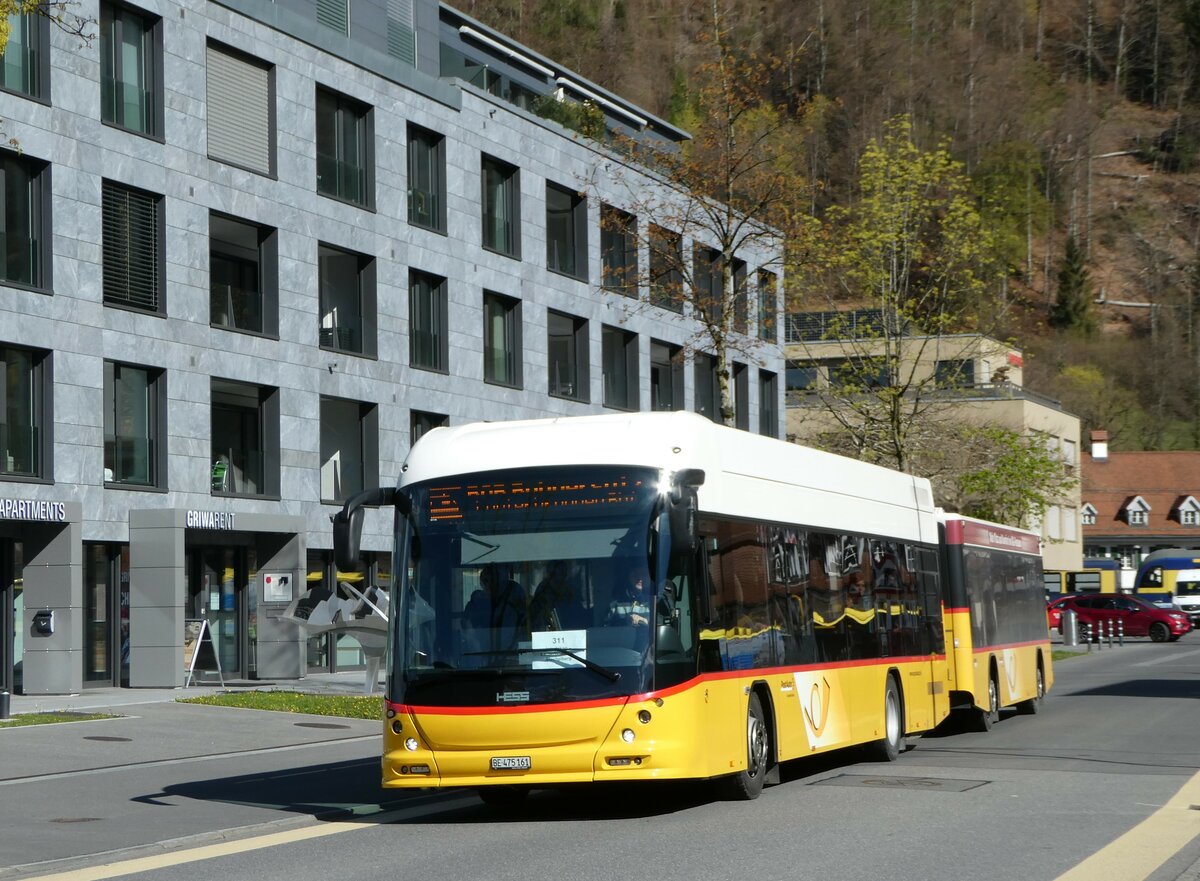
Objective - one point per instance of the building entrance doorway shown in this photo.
(106, 615)
(219, 590)
(12, 613)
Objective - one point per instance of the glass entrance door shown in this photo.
(12, 607)
(106, 615)
(218, 591)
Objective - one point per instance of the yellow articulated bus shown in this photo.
(653, 596)
(996, 611)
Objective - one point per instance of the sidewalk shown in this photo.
(100, 699)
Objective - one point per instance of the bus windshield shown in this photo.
(529, 586)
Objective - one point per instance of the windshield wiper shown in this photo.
(610, 675)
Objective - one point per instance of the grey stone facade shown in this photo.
(82, 333)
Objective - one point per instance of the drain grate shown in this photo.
(319, 725)
(930, 784)
(109, 739)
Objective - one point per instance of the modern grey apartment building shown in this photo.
(253, 250)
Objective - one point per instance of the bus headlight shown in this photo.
(411, 744)
(627, 735)
(643, 716)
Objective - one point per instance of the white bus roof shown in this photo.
(746, 475)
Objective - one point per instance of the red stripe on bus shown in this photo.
(652, 695)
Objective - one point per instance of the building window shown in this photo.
(241, 110)
(25, 65)
(619, 360)
(1088, 514)
(1189, 517)
(243, 271)
(25, 184)
(707, 282)
(344, 149)
(666, 275)
(1138, 518)
(666, 376)
(335, 15)
(954, 373)
(245, 439)
(618, 251)
(567, 356)
(426, 179)
(802, 376)
(347, 282)
(1053, 523)
(428, 338)
(401, 37)
(134, 407)
(708, 389)
(25, 417)
(133, 248)
(349, 448)
(768, 403)
(501, 340)
(130, 69)
(768, 312)
(566, 232)
(501, 208)
(741, 396)
(421, 423)
(741, 297)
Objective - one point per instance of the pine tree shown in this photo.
(1072, 309)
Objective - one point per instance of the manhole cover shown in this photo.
(109, 739)
(931, 784)
(319, 725)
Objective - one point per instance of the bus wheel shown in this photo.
(1159, 632)
(747, 784)
(889, 747)
(985, 719)
(1034, 704)
(502, 796)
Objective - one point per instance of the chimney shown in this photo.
(1099, 446)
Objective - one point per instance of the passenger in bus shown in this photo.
(497, 606)
(556, 604)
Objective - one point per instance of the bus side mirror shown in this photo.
(681, 513)
(347, 523)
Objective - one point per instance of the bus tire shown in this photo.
(985, 719)
(502, 796)
(1033, 706)
(748, 784)
(1159, 632)
(889, 747)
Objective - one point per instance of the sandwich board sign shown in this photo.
(197, 642)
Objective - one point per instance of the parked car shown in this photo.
(1138, 617)
(1054, 613)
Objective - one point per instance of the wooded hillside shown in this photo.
(1074, 120)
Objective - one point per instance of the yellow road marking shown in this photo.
(1138, 853)
(245, 845)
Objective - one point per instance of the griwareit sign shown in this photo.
(33, 509)
(210, 520)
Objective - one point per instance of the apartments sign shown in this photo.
(32, 509)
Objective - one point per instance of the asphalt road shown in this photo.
(179, 791)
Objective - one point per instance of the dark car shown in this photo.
(1138, 617)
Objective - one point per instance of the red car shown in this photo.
(1054, 613)
(1139, 618)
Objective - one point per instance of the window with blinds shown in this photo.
(240, 118)
(132, 221)
(335, 15)
(401, 37)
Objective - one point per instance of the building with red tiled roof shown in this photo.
(1137, 502)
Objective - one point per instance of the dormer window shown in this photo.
(1137, 512)
(1088, 513)
(1187, 511)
